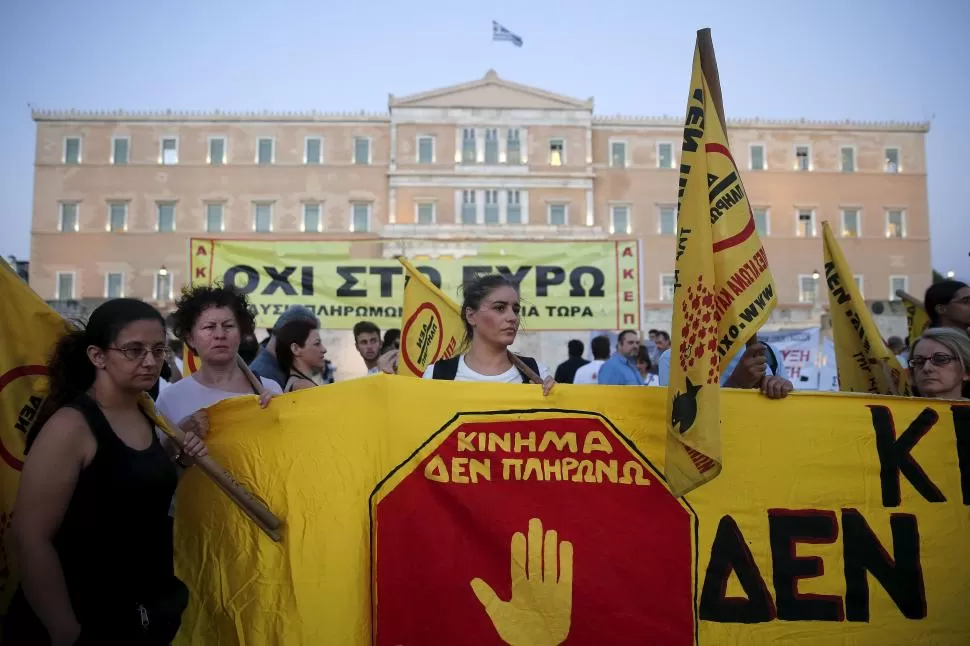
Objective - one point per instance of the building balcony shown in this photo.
(492, 231)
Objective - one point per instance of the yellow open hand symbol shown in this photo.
(541, 607)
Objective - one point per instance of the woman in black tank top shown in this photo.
(93, 539)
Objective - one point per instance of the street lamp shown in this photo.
(815, 276)
(950, 274)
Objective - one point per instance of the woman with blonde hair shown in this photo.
(940, 363)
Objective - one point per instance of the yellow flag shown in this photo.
(29, 328)
(191, 362)
(917, 320)
(864, 362)
(433, 328)
(723, 289)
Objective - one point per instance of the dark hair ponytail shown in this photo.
(70, 371)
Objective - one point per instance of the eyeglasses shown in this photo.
(139, 352)
(964, 300)
(939, 359)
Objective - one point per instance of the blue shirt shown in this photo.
(266, 366)
(664, 364)
(619, 371)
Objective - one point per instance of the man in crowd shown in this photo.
(367, 340)
(566, 371)
(748, 369)
(265, 364)
(898, 347)
(589, 374)
(621, 368)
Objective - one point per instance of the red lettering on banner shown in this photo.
(628, 297)
(201, 251)
(629, 318)
(200, 272)
(627, 274)
(628, 251)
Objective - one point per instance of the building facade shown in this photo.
(117, 195)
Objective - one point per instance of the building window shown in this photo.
(213, 218)
(491, 146)
(513, 147)
(166, 216)
(860, 284)
(668, 221)
(425, 213)
(72, 150)
(897, 284)
(558, 215)
(557, 151)
(360, 214)
(169, 153)
(665, 155)
(757, 155)
(163, 285)
(469, 213)
(806, 223)
(513, 213)
(491, 207)
(620, 219)
(850, 223)
(362, 152)
(426, 150)
(848, 159)
(217, 151)
(119, 150)
(265, 150)
(117, 216)
(64, 290)
(69, 219)
(262, 218)
(892, 160)
(469, 150)
(760, 221)
(666, 287)
(807, 289)
(313, 150)
(895, 223)
(311, 218)
(618, 154)
(803, 158)
(114, 283)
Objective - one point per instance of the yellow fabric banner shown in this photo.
(443, 513)
(29, 328)
(581, 285)
(917, 320)
(433, 328)
(723, 292)
(864, 362)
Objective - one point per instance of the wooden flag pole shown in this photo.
(912, 299)
(524, 369)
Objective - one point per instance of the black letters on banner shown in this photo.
(902, 579)
(252, 278)
(895, 458)
(386, 274)
(306, 281)
(279, 279)
(516, 276)
(347, 289)
(729, 553)
(786, 528)
(546, 276)
(961, 426)
(433, 275)
(576, 282)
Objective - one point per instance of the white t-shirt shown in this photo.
(510, 376)
(587, 375)
(186, 396)
(651, 380)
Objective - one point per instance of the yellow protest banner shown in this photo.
(29, 328)
(864, 363)
(433, 327)
(917, 320)
(442, 513)
(580, 285)
(723, 288)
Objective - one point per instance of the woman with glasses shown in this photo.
(940, 363)
(90, 525)
(948, 305)
(213, 322)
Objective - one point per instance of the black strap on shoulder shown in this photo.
(533, 365)
(96, 420)
(446, 369)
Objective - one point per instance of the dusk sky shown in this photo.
(865, 60)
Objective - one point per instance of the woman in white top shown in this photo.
(300, 353)
(643, 367)
(490, 309)
(940, 363)
(213, 322)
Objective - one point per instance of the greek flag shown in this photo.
(501, 33)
